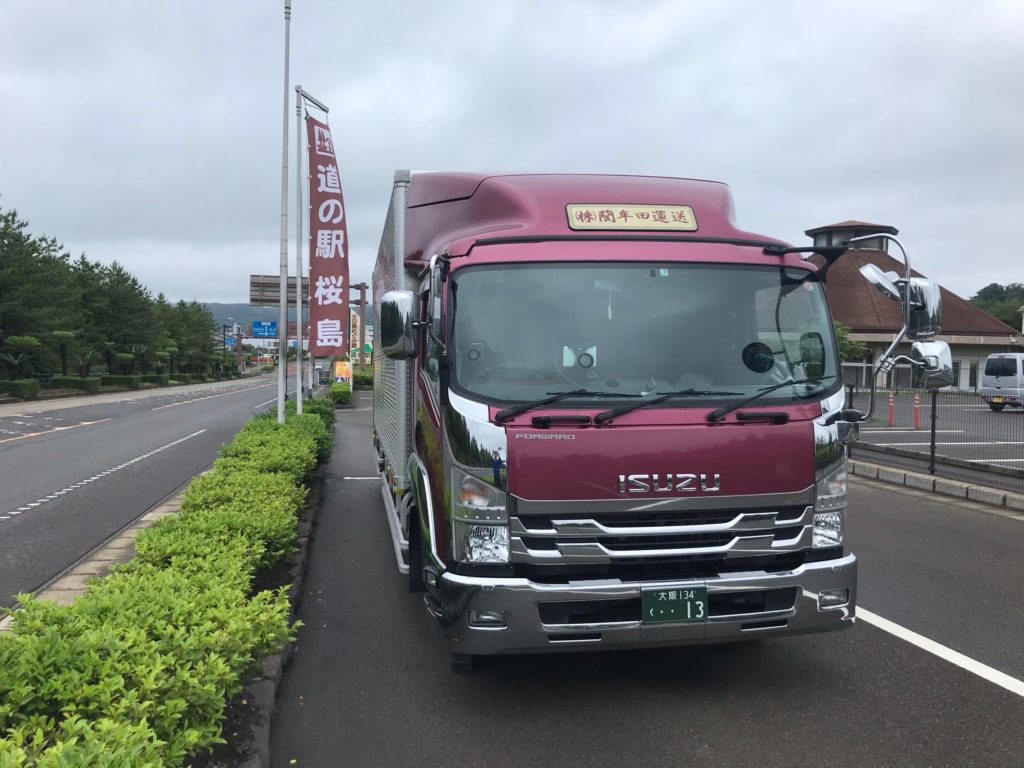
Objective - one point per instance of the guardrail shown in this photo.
(948, 433)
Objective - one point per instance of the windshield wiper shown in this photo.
(605, 416)
(720, 413)
(509, 413)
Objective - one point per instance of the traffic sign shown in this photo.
(263, 329)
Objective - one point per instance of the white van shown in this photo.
(1002, 382)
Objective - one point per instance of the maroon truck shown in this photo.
(605, 417)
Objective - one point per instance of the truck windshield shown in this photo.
(521, 332)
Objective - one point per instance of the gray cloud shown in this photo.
(152, 133)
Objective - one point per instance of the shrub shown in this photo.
(269, 448)
(131, 382)
(199, 378)
(163, 379)
(181, 378)
(137, 672)
(23, 388)
(341, 393)
(90, 384)
(312, 425)
(160, 646)
(363, 377)
(322, 407)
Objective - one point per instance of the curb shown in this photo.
(982, 494)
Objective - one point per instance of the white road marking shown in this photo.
(997, 461)
(361, 478)
(983, 671)
(274, 400)
(208, 397)
(75, 486)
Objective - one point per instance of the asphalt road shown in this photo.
(75, 472)
(370, 684)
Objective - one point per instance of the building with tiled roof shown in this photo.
(873, 319)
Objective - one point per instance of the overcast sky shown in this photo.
(150, 132)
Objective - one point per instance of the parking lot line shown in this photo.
(983, 671)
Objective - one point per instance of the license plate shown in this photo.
(997, 398)
(671, 606)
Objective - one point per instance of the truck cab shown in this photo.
(606, 417)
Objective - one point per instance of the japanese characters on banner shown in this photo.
(328, 247)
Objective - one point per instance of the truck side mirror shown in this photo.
(397, 333)
(924, 319)
(885, 282)
(934, 369)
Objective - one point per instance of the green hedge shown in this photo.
(131, 382)
(23, 388)
(341, 393)
(90, 384)
(137, 671)
(363, 377)
(163, 379)
(181, 378)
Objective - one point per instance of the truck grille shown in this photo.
(617, 536)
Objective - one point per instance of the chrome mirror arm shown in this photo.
(885, 363)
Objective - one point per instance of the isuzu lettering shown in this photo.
(605, 417)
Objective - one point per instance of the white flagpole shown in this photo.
(282, 324)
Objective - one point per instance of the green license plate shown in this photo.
(671, 606)
(997, 398)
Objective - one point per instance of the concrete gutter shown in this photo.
(940, 485)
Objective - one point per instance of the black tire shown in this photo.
(996, 408)
(462, 663)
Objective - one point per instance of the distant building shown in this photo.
(873, 319)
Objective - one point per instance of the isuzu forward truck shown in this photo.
(605, 417)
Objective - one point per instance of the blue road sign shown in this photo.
(264, 329)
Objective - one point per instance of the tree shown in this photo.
(1001, 301)
(19, 353)
(849, 351)
(37, 295)
(63, 339)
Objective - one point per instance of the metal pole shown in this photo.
(282, 327)
(935, 411)
(298, 249)
(362, 326)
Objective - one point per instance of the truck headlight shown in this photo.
(479, 520)
(830, 508)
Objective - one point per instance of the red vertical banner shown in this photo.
(328, 247)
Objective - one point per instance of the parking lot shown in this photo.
(965, 429)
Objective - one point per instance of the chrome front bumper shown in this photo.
(524, 632)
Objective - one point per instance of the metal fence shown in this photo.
(947, 433)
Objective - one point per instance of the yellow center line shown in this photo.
(50, 431)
